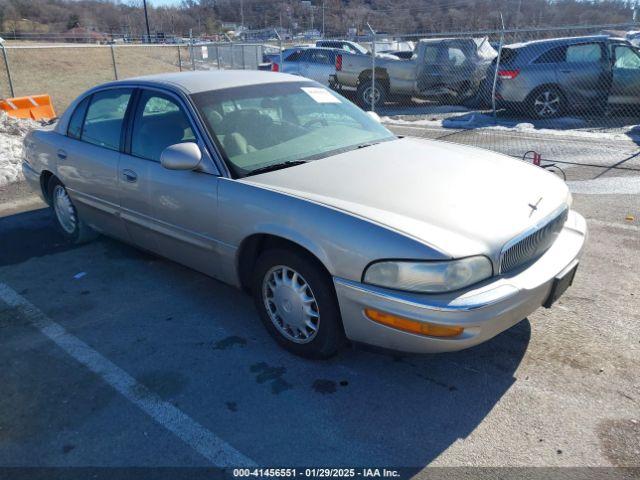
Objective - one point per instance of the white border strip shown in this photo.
(207, 444)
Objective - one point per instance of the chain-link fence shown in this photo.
(555, 91)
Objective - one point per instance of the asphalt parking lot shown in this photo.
(113, 357)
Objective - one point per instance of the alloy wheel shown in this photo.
(547, 104)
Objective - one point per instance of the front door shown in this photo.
(584, 74)
(88, 159)
(172, 212)
(625, 88)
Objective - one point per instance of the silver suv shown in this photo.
(547, 78)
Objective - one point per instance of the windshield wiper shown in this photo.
(276, 166)
(365, 145)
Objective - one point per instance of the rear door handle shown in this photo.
(129, 175)
(566, 71)
(62, 154)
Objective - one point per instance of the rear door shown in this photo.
(625, 88)
(172, 212)
(584, 75)
(88, 158)
(318, 65)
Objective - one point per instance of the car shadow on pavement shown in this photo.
(29, 234)
(199, 344)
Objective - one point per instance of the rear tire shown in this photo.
(66, 216)
(547, 102)
(366, 90)
(297, 304)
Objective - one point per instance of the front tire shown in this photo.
(297, 303)
(67, 220)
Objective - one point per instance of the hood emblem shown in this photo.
(534, 206)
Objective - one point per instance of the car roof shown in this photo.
(564, 41)
(195, 82)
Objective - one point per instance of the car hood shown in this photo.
(460, 200)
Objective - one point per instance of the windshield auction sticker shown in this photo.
(320, 95)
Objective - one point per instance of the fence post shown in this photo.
(6, 65)
(179, 59)
(113, 60)
(244, 65)
(495, 74)
(218, 55)
(279, 46)
(373, 68)
(233, 57)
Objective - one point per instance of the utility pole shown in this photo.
(322, 18)
(242, 14)
(311, 7)
(146, 20)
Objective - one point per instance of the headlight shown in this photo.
(429, 277)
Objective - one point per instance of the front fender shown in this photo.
(343, 242)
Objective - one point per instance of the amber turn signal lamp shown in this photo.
(412, 326)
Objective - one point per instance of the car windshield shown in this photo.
(281, 124)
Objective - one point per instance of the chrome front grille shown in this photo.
(524, 249)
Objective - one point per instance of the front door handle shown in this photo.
(62, 154)
(129, 175)
(566, 71)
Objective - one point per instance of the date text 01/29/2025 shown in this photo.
(316, 472)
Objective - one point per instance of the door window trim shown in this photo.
(211, 164)
(90, 97)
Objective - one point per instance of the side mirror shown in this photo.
(375, 116)
(181, 156)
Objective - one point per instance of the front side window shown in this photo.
(159, 122)
(105, 115)
(626, 58)
(431, 55)
(456, 56)
(263, 125)
(587, 53)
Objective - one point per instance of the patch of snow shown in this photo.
(567, 127)
(12, 132)
(608, 185)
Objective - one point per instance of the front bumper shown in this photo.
(484, 311)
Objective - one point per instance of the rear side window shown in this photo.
(587, 53)
(74, 130)
(555, 55)
(105, 115)
(159, 122)
(508, 55)
(295, 56)
(321, 57)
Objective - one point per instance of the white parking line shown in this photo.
(206, 443)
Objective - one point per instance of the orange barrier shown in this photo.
(35, 107)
